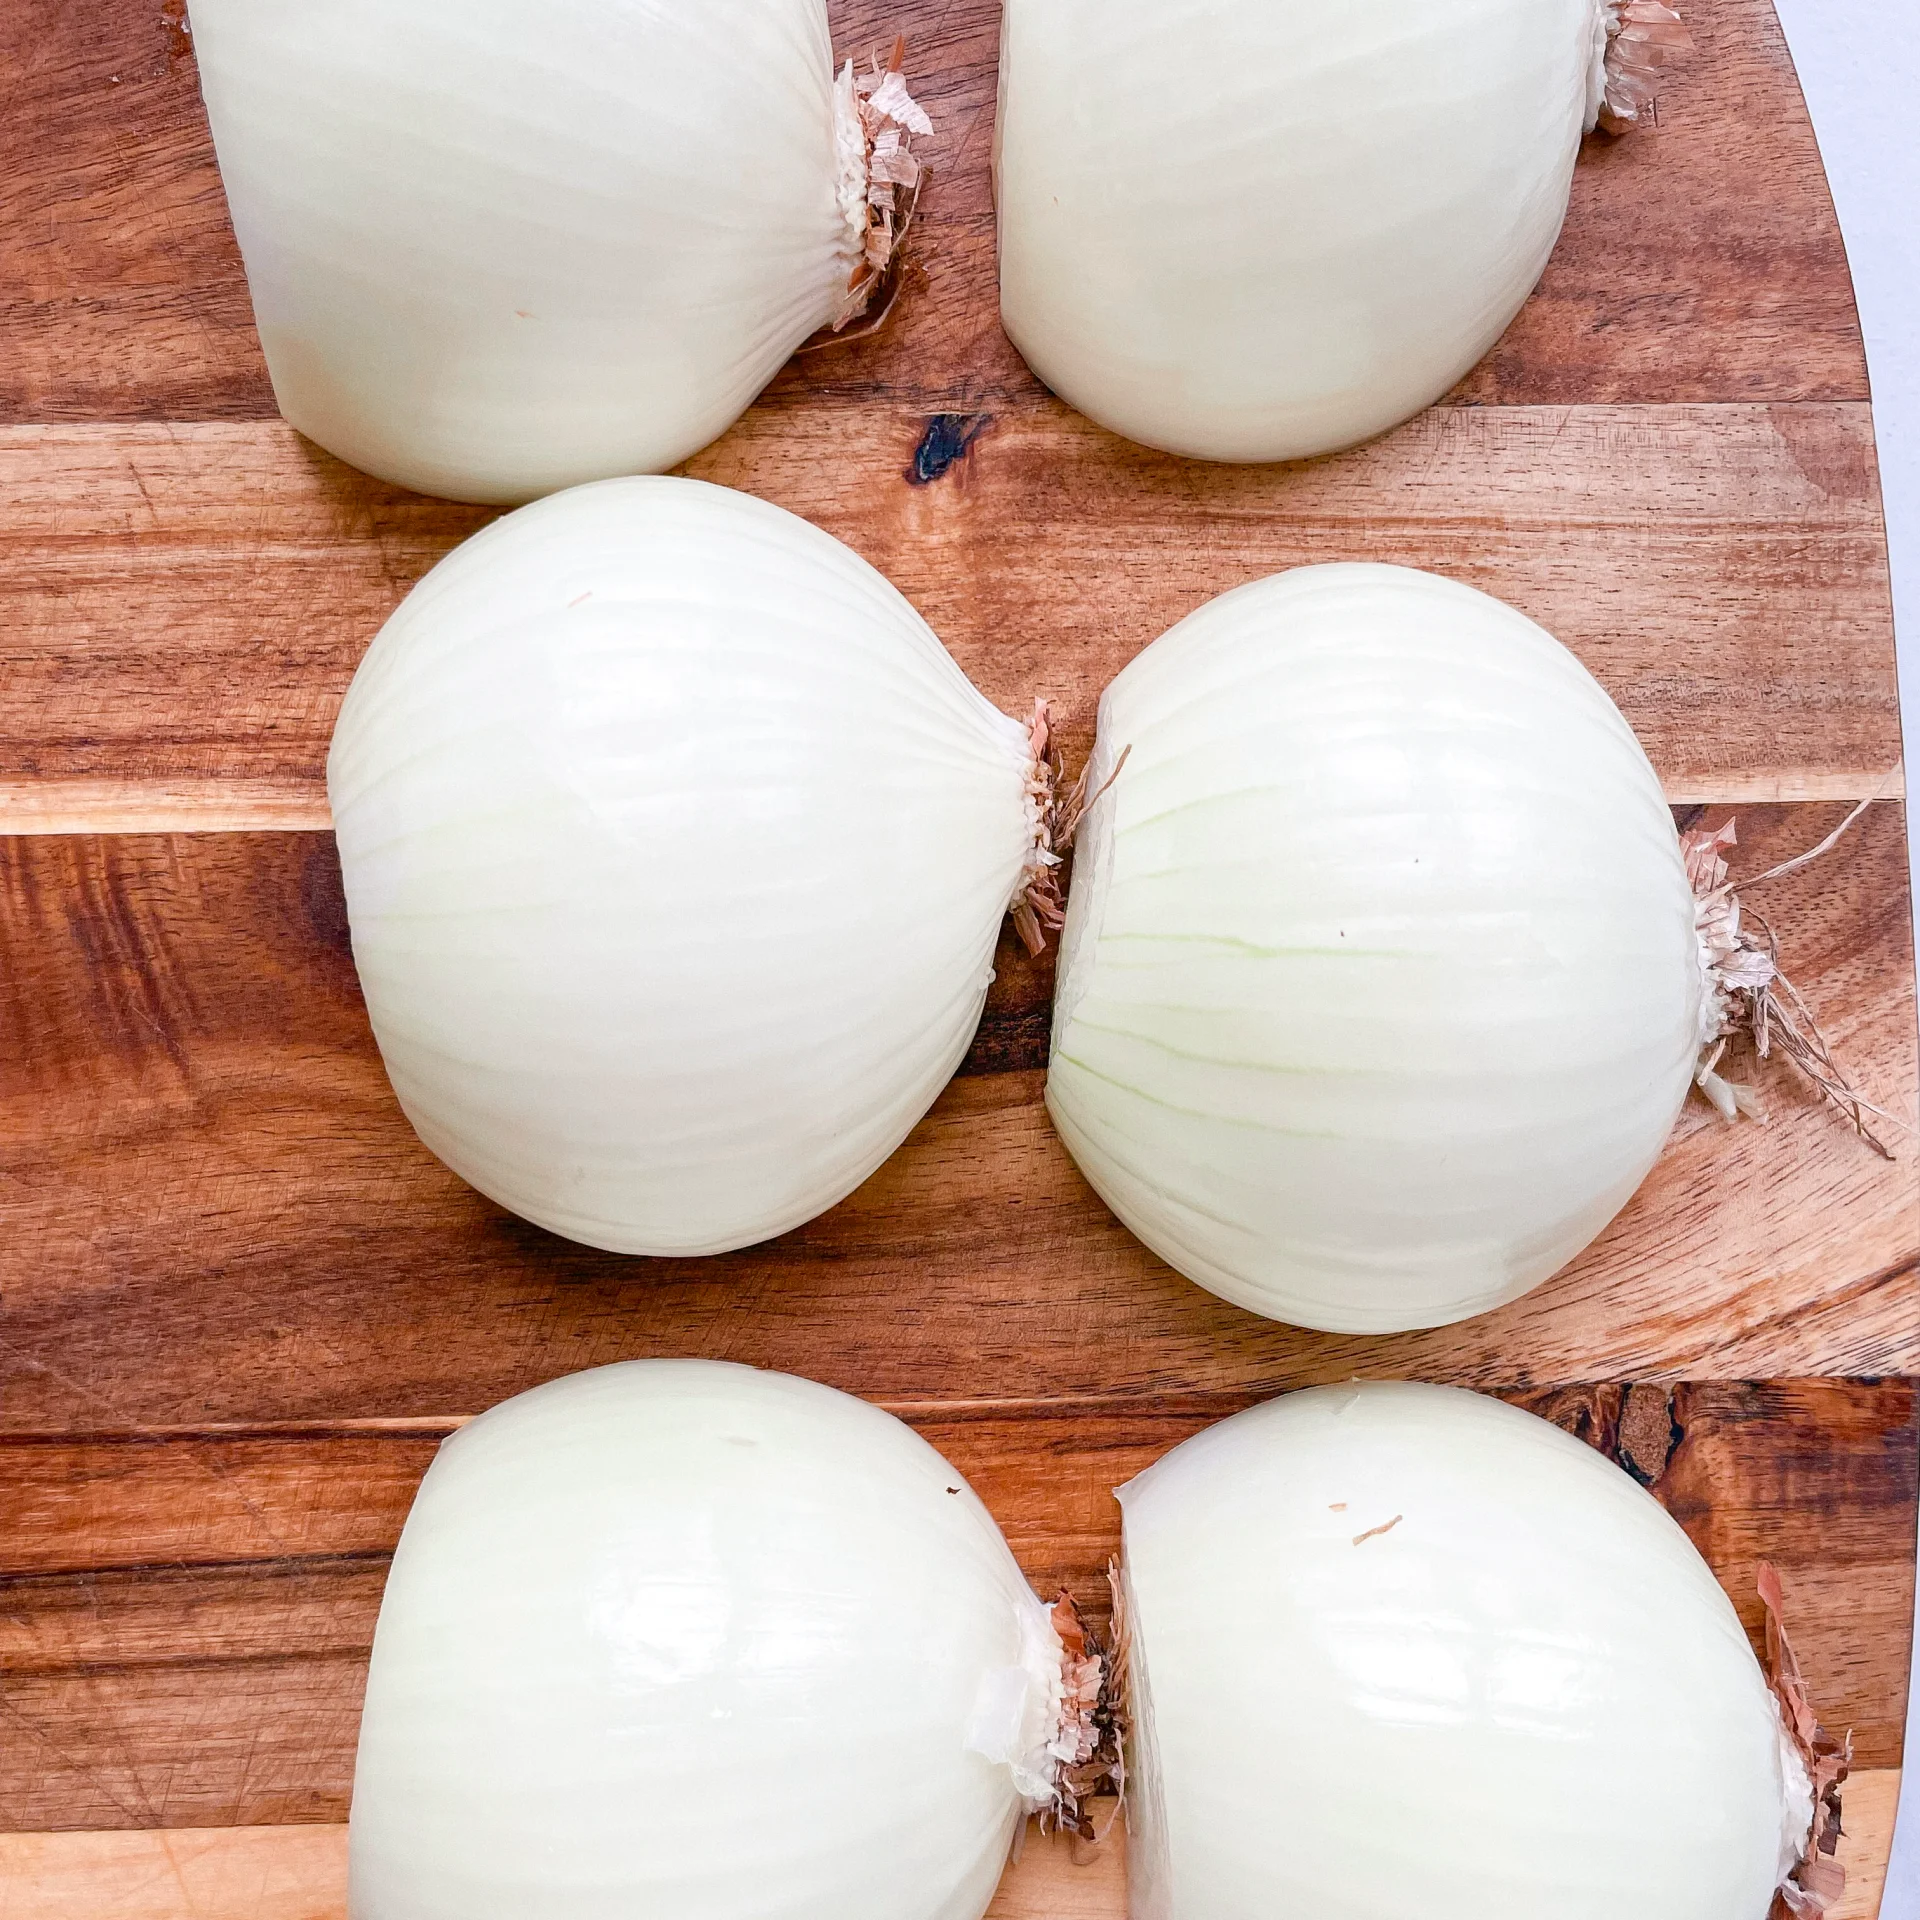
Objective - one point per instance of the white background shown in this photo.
(1859, 64)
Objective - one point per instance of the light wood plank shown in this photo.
(182, 605)
(300, 1873)
(1871, 1800)
(261, 806)
(181, 1873)
(158, 806)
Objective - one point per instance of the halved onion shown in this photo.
(1397, 1650)
(1381, 986)
(1264, 229)
(677, 1638)
(497, 249)
(676, 848)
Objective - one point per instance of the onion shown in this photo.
(681, 1638)
(1250, 231)
(1381, 985)
(1400, 1650)
(497, 249)
(675, 851)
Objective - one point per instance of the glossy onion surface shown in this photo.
(1380, 989)
(497, 249)
(1402, 1650)
(1264, 229)
(675, 850)
(678, 1638)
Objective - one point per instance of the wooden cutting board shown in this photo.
(241, 1304)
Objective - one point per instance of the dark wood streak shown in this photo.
(1650, 1430)
(944, 445)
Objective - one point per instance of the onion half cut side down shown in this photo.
(495, 250)
(1381, 984)
(1267, 229)
(676, 847)
(1399, 1649)
(675, 1637)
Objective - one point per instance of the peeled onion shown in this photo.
(1248, 230)
(1399, 1650)
(675, 849)
(1380, 987)
(678, 1638)
(497, 249)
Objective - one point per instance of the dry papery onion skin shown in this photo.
(1380, 987)
(495, 251)
(676, 1637)
(1398, 1649)
(1241, 230)
(675, 848)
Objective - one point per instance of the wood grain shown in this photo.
(125, 300)
(182, 606)
(218, 1873)
(219, 1213)
(187, 1614)
(239, 1304)
(300, 1873)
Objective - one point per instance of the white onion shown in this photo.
(675, 850)
(1380, 987)
(497, 249)
(1400, 1650)
(1256, 230)
(677, 1638)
